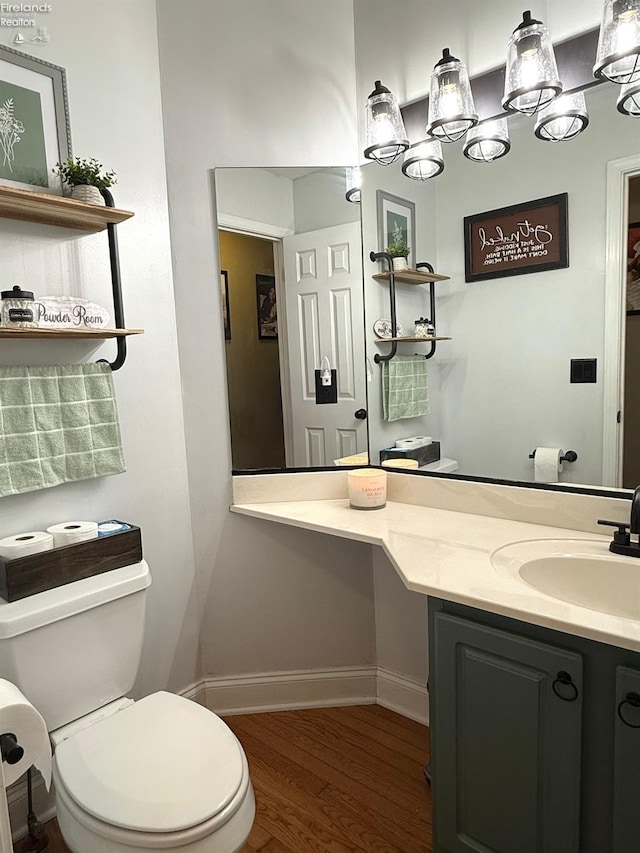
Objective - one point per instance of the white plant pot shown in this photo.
(84, 192)
(400, 263)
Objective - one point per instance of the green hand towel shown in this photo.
(57, 424)
(404, 387)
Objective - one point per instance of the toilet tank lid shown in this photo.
(35, 611)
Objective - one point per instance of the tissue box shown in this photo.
(35, 573)
(424, 455)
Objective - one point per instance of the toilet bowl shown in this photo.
(162, 773)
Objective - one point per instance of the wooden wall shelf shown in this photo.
(16, 334)
(48, 209)
(412, 276)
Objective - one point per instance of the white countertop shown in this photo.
(447, 554)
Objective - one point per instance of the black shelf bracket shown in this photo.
(116, 287)
(384, 256)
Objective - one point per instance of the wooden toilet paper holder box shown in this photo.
(35, 573)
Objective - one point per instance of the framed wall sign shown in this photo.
(396, 223)
(34, 122)
(523, 238)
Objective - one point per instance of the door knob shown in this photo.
(361, 414)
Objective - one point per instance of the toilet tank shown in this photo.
(77, 647)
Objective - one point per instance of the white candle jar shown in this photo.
(17, 309)
(367, 488)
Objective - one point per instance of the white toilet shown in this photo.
(162, 773)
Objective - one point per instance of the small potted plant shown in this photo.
(85, 177)
(399, 252)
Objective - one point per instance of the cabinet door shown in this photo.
(626, 762)
(506, 737)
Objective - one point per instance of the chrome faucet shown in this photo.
(626, 539)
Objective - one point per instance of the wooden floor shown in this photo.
(334, 780)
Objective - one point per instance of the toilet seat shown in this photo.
(161, 772)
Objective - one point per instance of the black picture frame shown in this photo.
(517, 240)
(633, 269)
(267, 308)
(226, 311)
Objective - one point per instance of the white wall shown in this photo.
(319, 201)
(114, 96)
(274, 85)
(255, 195)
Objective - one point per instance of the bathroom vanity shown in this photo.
(534, 644)
(535, 737)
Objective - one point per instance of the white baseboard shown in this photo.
(403, 695)
(283, 691)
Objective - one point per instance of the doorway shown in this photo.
(252, 353)
(631, 419)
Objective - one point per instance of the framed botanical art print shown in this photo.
(34, 122)
(396, 223)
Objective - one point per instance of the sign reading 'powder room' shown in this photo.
(523, 238)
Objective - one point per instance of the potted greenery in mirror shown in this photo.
(399, 252)
(86, 178)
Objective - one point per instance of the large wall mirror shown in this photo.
(292, 294)
(501, 386)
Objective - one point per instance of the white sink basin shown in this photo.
(580, 571)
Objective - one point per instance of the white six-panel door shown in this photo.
(325, 317)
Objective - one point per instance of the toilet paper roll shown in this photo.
(69, 532)
(23, 544)
(18, 717)
(547, 464)
(413, 442)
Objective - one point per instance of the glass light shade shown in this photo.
(629, 100)
(353, 181)
(487, 141)
(386, 137)
(531, 79)
(424, 161)
(618, 57)
(563, 118)
(451, 108)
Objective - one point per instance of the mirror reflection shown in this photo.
(291, 289)
(503, 386)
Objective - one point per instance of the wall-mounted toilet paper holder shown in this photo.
(569, 456)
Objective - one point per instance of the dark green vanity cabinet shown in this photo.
(534, 741)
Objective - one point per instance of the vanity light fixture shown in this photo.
(629, 100)
(385, 133)
(618, 57)
(451, 109)
(353, 181)
(487, 141)
(563, 119)
(424, 161)
(531, 79)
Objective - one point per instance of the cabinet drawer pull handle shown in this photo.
(563, 680)
(632, 699)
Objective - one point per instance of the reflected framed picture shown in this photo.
(226, 313)
(34, 122)
(396, 223)
(267, 308)
(633, 268)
